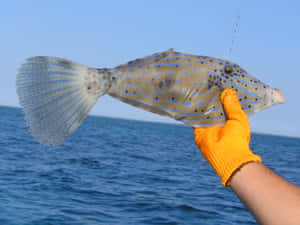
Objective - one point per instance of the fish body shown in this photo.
(57, 94)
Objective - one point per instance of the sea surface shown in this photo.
(115, 172)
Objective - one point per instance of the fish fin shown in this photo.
(54, 96)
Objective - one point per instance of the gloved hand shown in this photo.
(226, 148)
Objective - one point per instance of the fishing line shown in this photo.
(236, 26)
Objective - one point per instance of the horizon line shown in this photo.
(175, 123)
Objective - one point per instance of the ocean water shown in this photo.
(114, 171)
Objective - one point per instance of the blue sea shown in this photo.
(115, 172)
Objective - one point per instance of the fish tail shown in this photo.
(56, 96)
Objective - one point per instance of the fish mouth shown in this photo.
(276, 95)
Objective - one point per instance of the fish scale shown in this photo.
(182, 86)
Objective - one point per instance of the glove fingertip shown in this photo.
(229, 96)
(232, 104)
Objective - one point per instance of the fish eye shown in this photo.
(228, 69)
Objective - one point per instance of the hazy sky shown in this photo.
(108, 33)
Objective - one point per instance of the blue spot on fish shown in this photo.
(158, 91)
(177, 80)
(141, 91)
(203, 79)
(171, 72)
(158, 65)
(142, 102)
(168, 59)
(187, 104)
(146, 95)
(131, 69)
(139, 75)
(164, 107)
(201, 103)
(195, 84)
(212, 110)
(195, 69)
(201, 61)
(133, 94)
(239, 88)
(157, 75)
(211, 101)
(173, 101)
(130, 76)
(182, 91)
(191, 114)
(252, 102)
(174, 64)
(185, 73)
(216, 118)
(155, 100)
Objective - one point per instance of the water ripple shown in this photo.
(114, 171)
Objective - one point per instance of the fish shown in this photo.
(56, 94)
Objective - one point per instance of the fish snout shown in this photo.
(277, 96)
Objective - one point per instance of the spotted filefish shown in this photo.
(56, 94)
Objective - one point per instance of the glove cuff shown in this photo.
(225, 167)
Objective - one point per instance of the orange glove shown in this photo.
(226, 148)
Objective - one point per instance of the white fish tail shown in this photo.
(55, 96)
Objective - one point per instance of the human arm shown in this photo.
(270, 198)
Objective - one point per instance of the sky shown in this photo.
(109, 33)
